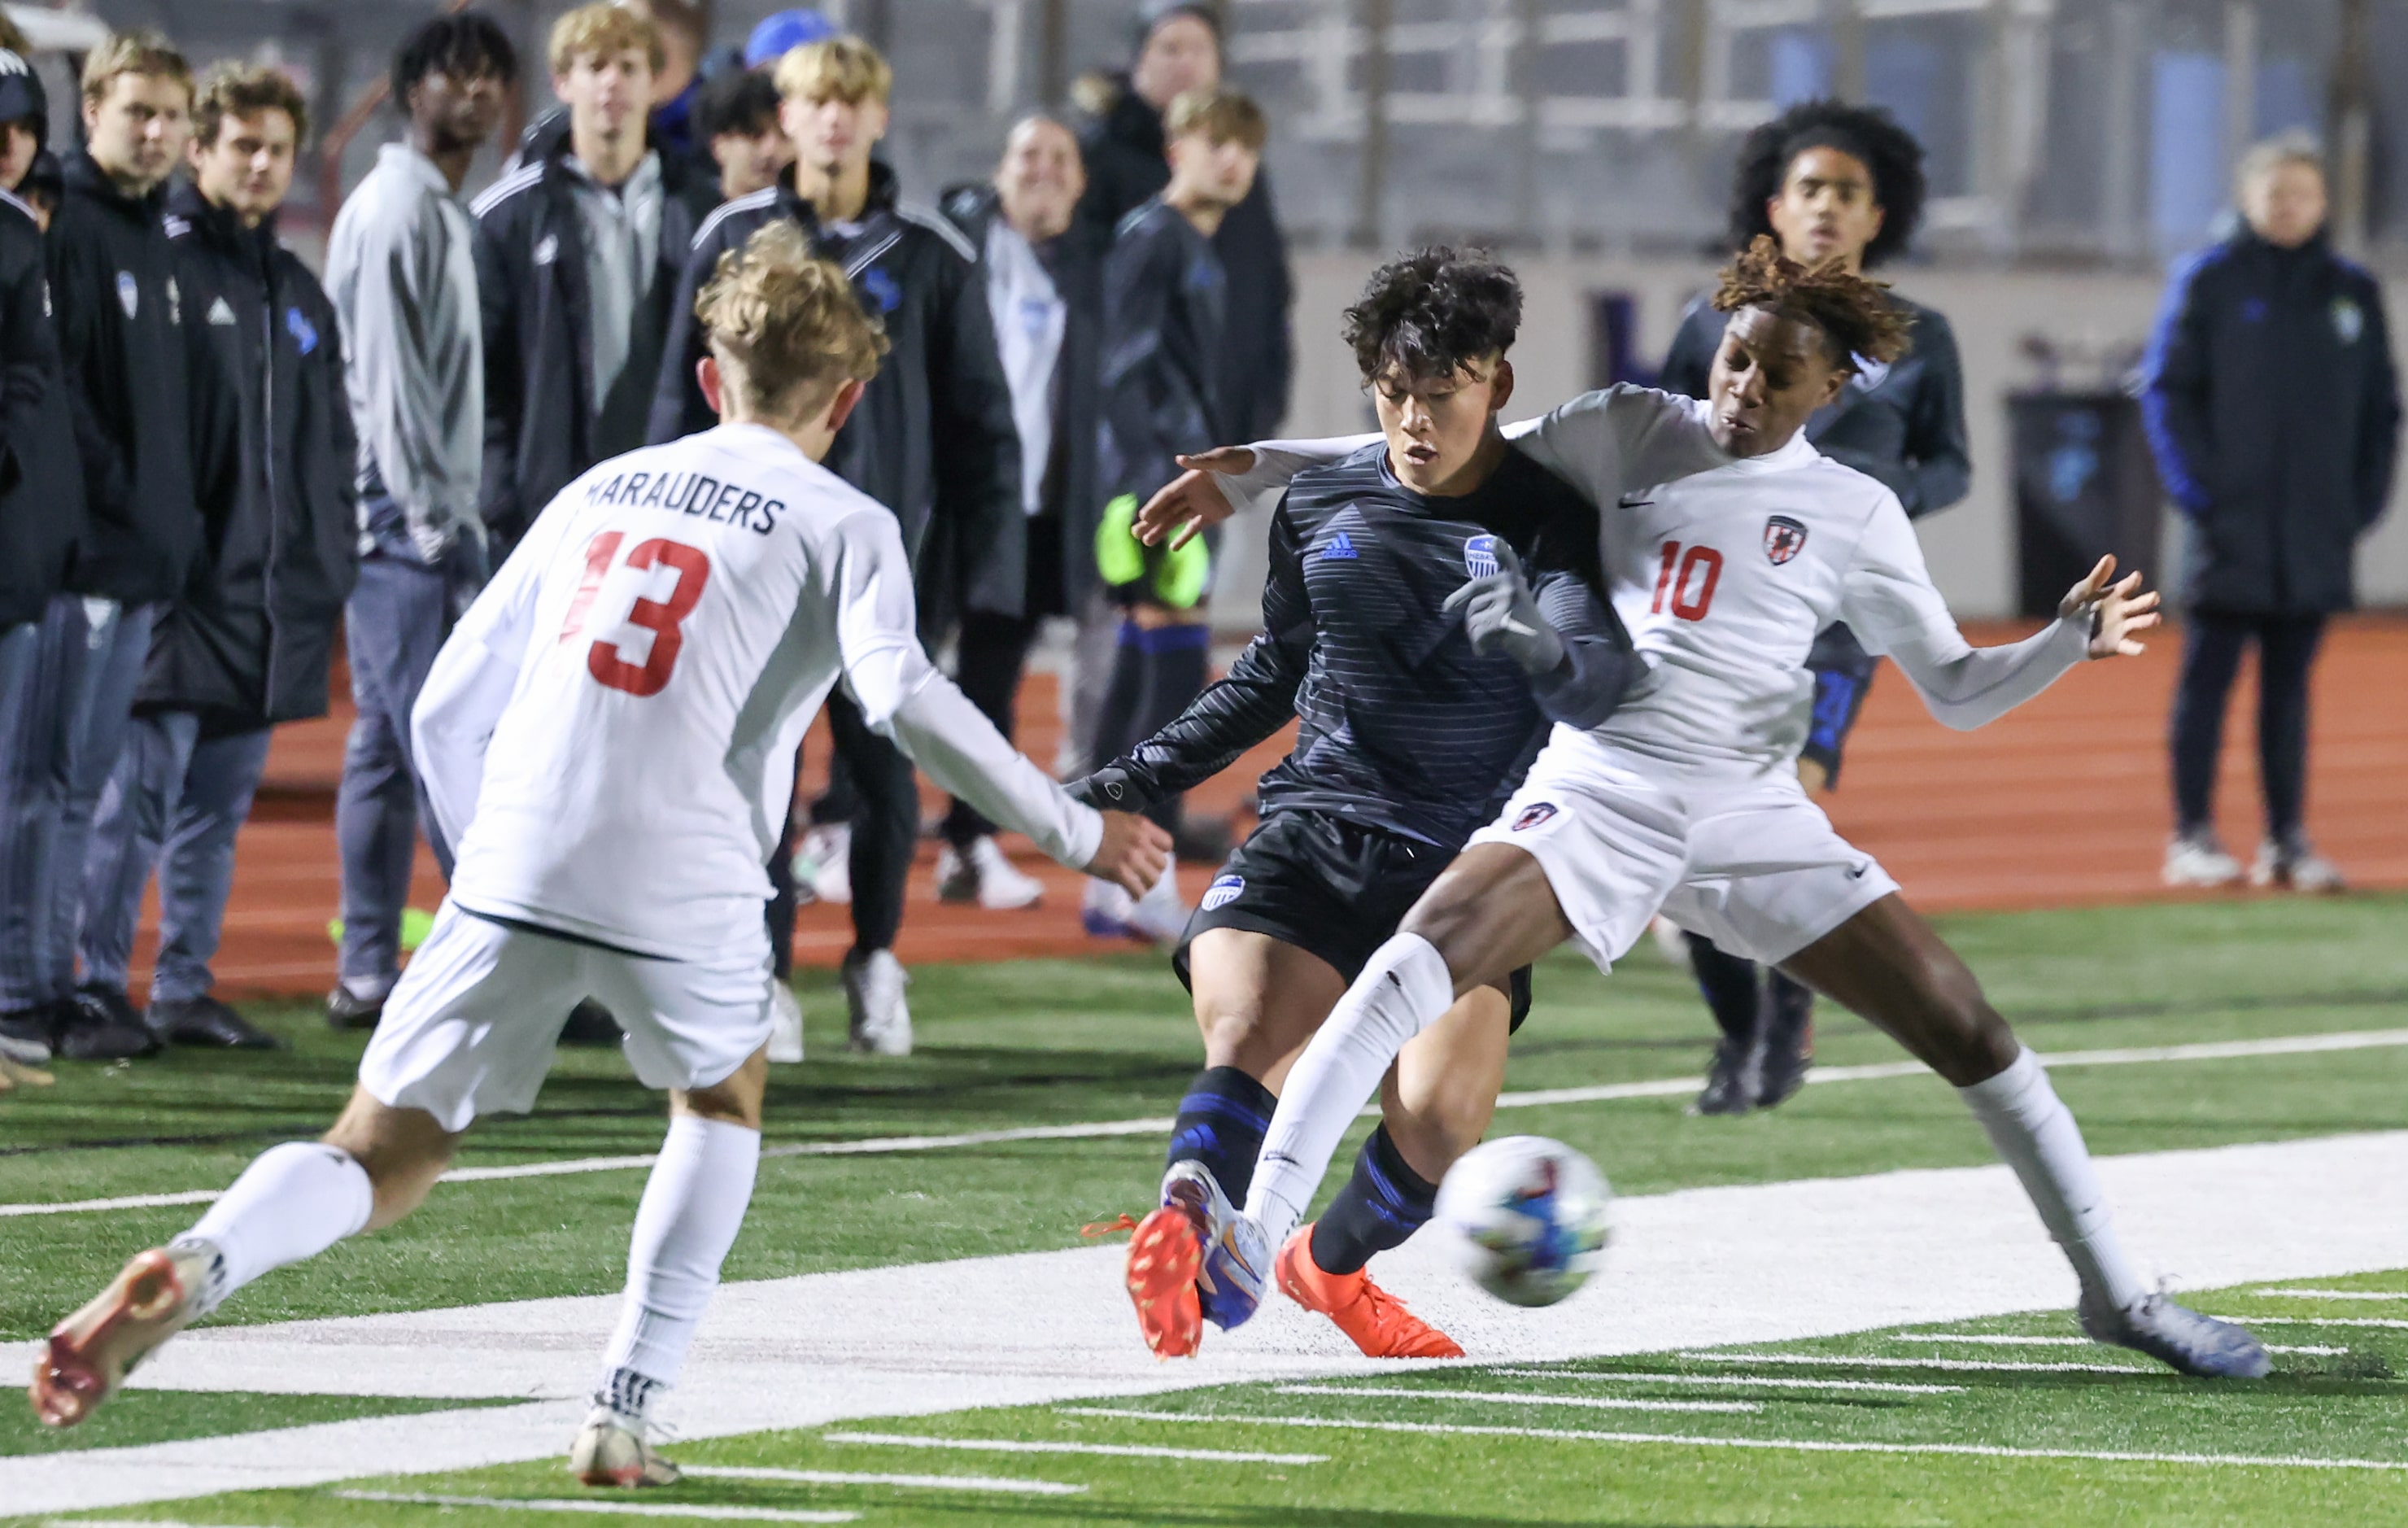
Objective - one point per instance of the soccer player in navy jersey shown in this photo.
(1425, 669)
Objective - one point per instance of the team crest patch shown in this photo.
(1533, 814)
(880, 285)
(129, 294)
(2349, 320)
(304, 333)
(1783, 538)
(547, 249)
(1228, 888)
(1479, 556)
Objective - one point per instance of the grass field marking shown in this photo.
(1006, 1485)
(1104, 1129)
(2384, 1323)
(1960, 1365)
(1810, 1446)
(612, 1509)
(2325, 1294)
(1891, 1387)
(1027, 1446)
(2002, 1340)
(1525, 1398)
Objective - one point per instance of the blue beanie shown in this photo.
(784, 30)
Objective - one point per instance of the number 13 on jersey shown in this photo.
(1688, 580)
(661, 617)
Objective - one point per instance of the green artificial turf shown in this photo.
(136, 1417)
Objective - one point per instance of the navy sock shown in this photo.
(1383, 1202)
(1729, 986)
(1789, 1007)
(1221, 1124)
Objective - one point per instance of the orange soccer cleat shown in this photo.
(1376, 1320)
(1163, 1259)
(88, 1354)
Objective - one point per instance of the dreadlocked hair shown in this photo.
(1854, 312)
(1866, 133)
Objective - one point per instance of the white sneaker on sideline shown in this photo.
(785, 1025)
(2295, 865)
(823, 864)
(2199, 860)
(873, 993)
(984, 875)
(1159, 915)
(1105, 911)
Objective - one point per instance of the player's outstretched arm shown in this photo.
(1217, 483)
(2117, 610)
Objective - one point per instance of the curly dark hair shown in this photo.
(1855, 313)
(1864, 133)
(466, 43)
(1433, 314)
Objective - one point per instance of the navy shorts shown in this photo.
(1333, 889)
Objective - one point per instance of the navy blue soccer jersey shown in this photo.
(1403, 726)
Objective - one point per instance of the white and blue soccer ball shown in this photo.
(1526, 1218)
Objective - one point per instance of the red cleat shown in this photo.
(90, 1353)
(1164, 1257)
(1376, 1320)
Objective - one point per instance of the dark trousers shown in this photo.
(176, 805)
(992, 654)
(395, 625)
(871, 785)
(2212, 648)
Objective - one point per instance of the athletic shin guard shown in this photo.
(2035, 1135)
(1221, 1124)
(693, 1206)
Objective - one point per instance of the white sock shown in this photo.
(1403, 989)
(2034, 1133)
(293, 1203)
(693, 1206)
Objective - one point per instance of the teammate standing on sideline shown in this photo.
(401, 268)
(129, 352)
(1045, 294)
(1164, 392)
(2273, 411)
(675, 614)
(249, 640)
(737, 116)
(933, 440)
(1828, 181)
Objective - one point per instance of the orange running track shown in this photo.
(2064, 802)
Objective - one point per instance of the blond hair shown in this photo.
(233, 90)
(1224, 116)
(2265, 157)
(843, 69)
(605, 30)
(787, 327)
(133, 52)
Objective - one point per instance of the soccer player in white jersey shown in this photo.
(1687, 798)
(608, 737)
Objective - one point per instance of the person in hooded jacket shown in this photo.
(250, 640)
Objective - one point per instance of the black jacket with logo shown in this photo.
(41, 479)
(128, 353)
(251, 638)
(933, 438)
(542, 423)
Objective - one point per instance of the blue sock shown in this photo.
(1221, 1124)
(1383, 1202)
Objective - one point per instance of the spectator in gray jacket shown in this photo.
(401, 268)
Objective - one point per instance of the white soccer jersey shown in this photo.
(608, 737)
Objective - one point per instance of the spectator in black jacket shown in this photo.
(1830, 182)
(24, 107)
(932, 439)
(127, 352)
(2273, 411)
(1045, 294)
(1178, 48)
(250, 640)
(737, 117)
(578, 257)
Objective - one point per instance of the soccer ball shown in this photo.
(1527, 1217)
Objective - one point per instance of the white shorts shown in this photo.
(469, 1029)
(1755, 867)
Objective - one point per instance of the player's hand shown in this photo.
(1133, 853)
(1189, 503)
(2117, 610)
(1500, 614)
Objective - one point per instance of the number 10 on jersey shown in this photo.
(661, 617)
(1688, 580)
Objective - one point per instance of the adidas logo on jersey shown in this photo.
(219, 313)
(1341, 546)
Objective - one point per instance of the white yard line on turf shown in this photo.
(2255, 1319)
(1753, 1264)
(1812, 1446)
(2325, 1294)
(1026, 1446)
(1525, 1398)
(1840, 1361)
(2219, 1050)
(607, 1509)
(1001, 1484)
(1886, 1386)
(1997, 1341)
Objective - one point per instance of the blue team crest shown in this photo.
(1228, 888)
(129, 294)
(1479, 556)
(2349, 320)
(304, 333)
(881, 286)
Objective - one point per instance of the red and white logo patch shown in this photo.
(1533, 814)
(1783, 538)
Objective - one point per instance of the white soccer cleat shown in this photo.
(823, 864)
(984, 875)
(608, 1453)
(873, 992)
(88, 1355)
(2295, 865)
(2199, 860)
(1159, 916)
(785, 1025)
